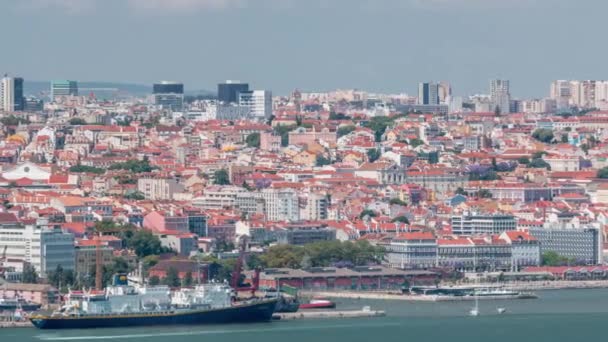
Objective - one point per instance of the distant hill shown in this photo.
(101, 89)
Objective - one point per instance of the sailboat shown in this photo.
(501, 310)
(475, 311)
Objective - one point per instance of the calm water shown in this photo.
(568, 315)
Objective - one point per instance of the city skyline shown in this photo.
(376, 46)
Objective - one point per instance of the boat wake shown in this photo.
(53, 337)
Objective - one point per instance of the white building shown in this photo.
(500, 95)
(39, 244)
(281, 204)
(259, 101)
(316, 207)
(11, 94)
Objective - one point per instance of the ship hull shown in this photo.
(246, 313)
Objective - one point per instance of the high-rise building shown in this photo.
(428, 93)
(169, 95)
(259, 101)
(444, 92)
(11, 94)
(500, 95)
(63, 88)
(228, 92)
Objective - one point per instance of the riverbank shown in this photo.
(514, 286)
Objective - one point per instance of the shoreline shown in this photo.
(514, 286)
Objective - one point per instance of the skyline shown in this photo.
(370, 44)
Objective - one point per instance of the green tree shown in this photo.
(283, 256)
(564, 138)
(460, 191)
(345, 130)
(13, 120)
(86, 169)
(322, 161)
(539, 163)
(134, 165)
(221, 177)
(602, 173)
(543, 135)
(401, 219)
(172, 278)
(415, 142)
(135, 195)
(56, 276)
(144, 243)
(77, 121)
(523, 160)
(397, 201)
(188, 280)
(367, 212)
(484, 193)
(552, 258)
(283, 131)
(373, 154)
(253, 140)
(29, 275)
(154, 280)
(585, 148)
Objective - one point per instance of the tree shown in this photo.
(484, 193)
(415, 142)
(543, 135)
(345, 130)
(397, 201)
(539, 163)
(56, 276)
(283, 131)
(253, 140)
(523, 160)
(497, 110)
(338, 116)
(78, 168)
(13, 120)
(602, 173)
(134, 165)
(585, 148)
(322, 161)
(538, 155)
(135, 195)
(154, 280)
(29, 276)
(564, 138)
(460, 191)
(144, 243)
(552, 258)
(172, 278)
(220, 177)
(367, 212)
(77, 121)
(401, 219)
(188, 280)
(373, 154)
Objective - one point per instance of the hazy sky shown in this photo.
(377, 45)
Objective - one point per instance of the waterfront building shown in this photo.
(580, 244)
(473, 224)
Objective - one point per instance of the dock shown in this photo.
(316, 314)
(412, 298)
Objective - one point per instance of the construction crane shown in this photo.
(99, 253)
(236, 273)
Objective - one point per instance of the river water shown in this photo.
(566, 315)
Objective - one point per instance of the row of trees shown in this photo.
(134, 165)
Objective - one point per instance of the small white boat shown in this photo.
(474, 312)
(501, 310)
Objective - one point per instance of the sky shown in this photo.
(312, 45)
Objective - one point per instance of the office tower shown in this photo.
(11, 94)
(63, 88)
(259, 101)
(228, 92)
(601, 94)
(500, 97)
(428, 93)
(169, 95)
(444, 91)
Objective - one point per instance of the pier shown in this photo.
(314, 314)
